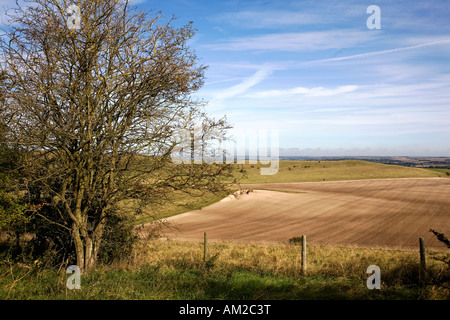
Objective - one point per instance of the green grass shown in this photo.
(305, 171)
(176, 270)
(234, 271)
(179, 203)
(442, 172)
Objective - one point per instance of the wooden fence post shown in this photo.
(304, 254)
(205, 246)
(423, 264)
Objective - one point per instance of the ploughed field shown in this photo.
(369, 213)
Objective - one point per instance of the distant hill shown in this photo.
(416, 162)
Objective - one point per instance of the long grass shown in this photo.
(175, 270)
(160, 269)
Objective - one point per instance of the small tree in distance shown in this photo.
(96, 108)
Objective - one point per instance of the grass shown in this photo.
(180, 202)
(176, 271)
(234, 271)
(306, 171)
(442, 172)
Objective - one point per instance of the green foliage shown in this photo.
(295, 240)
(12, 209)
(12, 204)
(49, 240)
(118, 239)
(51, 243)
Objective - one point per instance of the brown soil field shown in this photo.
(388, 213)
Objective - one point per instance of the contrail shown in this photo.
(249, 82)
(226, 80)
(362, 55)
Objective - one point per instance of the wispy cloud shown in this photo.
(336, 83)
(245, 85)
(6, 7)
(382, 52)
(266, 19)
(301, 41)
(312, 92)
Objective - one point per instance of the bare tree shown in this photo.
(96, 98)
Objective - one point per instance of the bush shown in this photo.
(51, 244)
(118, 239)
(295, 240)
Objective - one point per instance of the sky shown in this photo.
(316, 72)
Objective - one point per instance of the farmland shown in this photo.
(366, 213)
(290, 171)
(350, 224)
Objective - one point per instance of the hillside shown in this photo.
(368, 213)
(304, 171)
(290, 171)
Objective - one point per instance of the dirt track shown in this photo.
(372, 213)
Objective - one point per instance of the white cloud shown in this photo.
(266, 19)
(410, 150)
(6, 6)
(300, 41)
(444, 41)
(245, 85)
(312, 92)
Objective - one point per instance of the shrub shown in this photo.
(51, 244)
(295, 240)
(118, 239)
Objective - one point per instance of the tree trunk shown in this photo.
(79, 247)
(89, 258)
(87, 248)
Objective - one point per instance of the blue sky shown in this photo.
(314, 71)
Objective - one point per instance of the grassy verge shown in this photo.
(176, 270)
